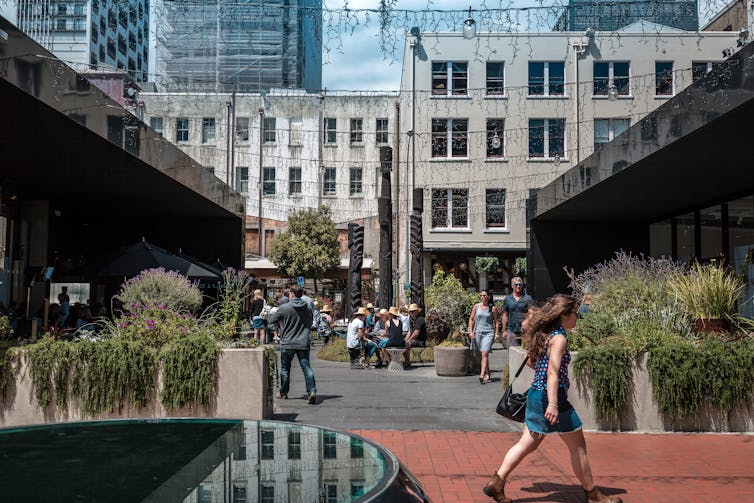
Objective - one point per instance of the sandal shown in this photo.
(481, 380)
(486, 379)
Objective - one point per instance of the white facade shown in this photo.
(526, 91)
(315, 148)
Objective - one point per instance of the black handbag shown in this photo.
(513, 405)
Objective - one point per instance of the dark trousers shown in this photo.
(286, 357)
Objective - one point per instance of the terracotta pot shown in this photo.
(451, 361)
(716, 325)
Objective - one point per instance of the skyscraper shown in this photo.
(614, 15)
(91, 34)
(227, 45)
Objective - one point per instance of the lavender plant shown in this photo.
(160, 287)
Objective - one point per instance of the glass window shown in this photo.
(294, 444)
(268, 493)
(295, 135)
(156, 124)
(242, 129)
(62, 9)
(331, 492)
(331, 130)
(660, 239)
(546, 138)
(453, 132)
(701, 68)
(546, 78)
(355, 182)
(357, 448)
(294, 181)
(685, 236)
(208, 130)
(240, 494)
(450, 208)
(328, 182)
(711, 228)
(357, 488)
(741, 243)
(382, 131)
(204, 493)
(181, 129)
(78, 9)
(495, 130)
(242, 179)
(609, 74)
(268, 444)
(495, 208)
(328, 444)
(664, 78)
(268, 185)
(268, 135)
(357, 131)
(240, 453)
(495, 78)
(60, 24)
(449, 78)
(606, 130)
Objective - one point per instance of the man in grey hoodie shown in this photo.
(294, 321)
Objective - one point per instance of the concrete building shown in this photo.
(579, 15)
(91, 34)
(226, 45)
(496, 117)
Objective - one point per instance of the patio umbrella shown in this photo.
(218, 272)
(133, 259)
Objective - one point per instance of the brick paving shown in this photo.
(452, 466)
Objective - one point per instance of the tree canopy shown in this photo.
(310, 245)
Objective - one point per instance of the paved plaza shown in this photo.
(445, 430)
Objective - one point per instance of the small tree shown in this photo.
(310, 245)
(446, 298)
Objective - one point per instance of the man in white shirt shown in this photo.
(356, 333)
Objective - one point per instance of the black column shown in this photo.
(356, 247)
(417, 249)
(385, 212)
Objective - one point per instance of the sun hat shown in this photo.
(413, 307)
(326, 309)
(381, 312)
(370, 305)
(362, 311)
(394, 311)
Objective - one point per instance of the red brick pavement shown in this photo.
(453, 466)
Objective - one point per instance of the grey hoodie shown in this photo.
(294, 321)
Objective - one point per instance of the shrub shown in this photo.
(708, 291)
(155, 325)
(159, 287)
(447, 297)
(227, 312)
(189, 369)
(609, 367)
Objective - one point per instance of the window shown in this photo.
(355, 186)
(268, 185)
(122, 45)
(700, 68)
(78, 9)
(331, 136)
(102, 53)
(295, 135)
(495, 78)
(240, 494)
(111, 20)
(111, 48)
(181, 129)
(268, 493)
(495, 129)
(62, 9)
(357, 448)
(495, 208)
(242, 179)
(382, 131)
(450, 78)
(328, 443)
(208, 130)
(242, 129)
(268, 134)
(450, 208)
(294, 181)
(92, 59)
(547, 138)
(357, 488)
(95, 33)
(60, 24)
(357, 131)
(294, 444)
(605, 130)
(268, 442)
(204, 493)
(453, 132)
(102, 26)
(328, 182)
(609, 74)
(123, 17)
(331, 492)
(664, 78)
(156, 124)
(546, 78)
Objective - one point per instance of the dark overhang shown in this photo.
(692, 151)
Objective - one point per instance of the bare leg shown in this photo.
(526, 445)
(485, 363)
(579, 460)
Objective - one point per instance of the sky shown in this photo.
(353, 59)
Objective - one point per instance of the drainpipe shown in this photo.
(261, 184)
(320, 141)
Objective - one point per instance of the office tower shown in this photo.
(614, 15)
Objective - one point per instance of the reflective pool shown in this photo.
(197, 461)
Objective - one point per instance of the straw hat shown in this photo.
(381, 312)
(361, 312)
(316, 304)
(413, 307)
(394, 311)
(326, 309)
(370, 305)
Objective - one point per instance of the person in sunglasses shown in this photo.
(514, 309)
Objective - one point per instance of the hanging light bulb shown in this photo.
(496, 142)
(469, 27)
(612, 93)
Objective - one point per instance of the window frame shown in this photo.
(611, 130)
(241, 180)
(266, 447)
(488, 206)
(330, 129)
(448, 136)
(154, 120)
(661, 80)
(355, 183)
(181, 132)
(382, 135)
(329, 445)
(546, 80)
(612, 80)
(209, 131)
(242, 132)
(447, 75)
(489, 149)
(269, 134)
(292, 181)
(269, 185)
(448, 199)
(329, 184)
(356, 131)
(264, 496)
(501, 79)
(294, 448)
(547, 126)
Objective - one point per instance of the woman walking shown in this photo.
(258, 323)
(547, 407)
(483, 327)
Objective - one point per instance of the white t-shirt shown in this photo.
(352, 339)
(405, 320)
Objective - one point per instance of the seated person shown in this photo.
(393, 333)
(379, 326)
(417, 334)
(356, 333)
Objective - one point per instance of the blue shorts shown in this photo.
(484, 341)
(258, 322)
(536, 404)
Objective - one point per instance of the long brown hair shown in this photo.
(544, 320)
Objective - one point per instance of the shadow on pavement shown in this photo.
(548, 491)
(291, 418)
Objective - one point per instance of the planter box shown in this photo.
(452, 361)
(241, 394)
(641, 412)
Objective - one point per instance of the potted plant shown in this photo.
(438, 326)
(710, 294)
(452, 356)
(483, 265)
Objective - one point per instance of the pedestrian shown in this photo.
(514, 310)
(325, 323)
(547, 407)
(294, 322)
(258, 323)
(356, 333)
(482, 327)
(417, 333)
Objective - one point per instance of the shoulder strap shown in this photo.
(523, 364)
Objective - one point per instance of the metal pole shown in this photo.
(261, 184)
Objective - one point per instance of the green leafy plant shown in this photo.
(449, 299)
(609, 367)
(189, 369)
(157, 287)
(520, 266)
(486, 264)
(455, 340)
(5, 328)
(8, 366)
(272, 372)
(708, 291)
(227, 312)
(155, 325)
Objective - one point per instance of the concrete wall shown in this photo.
(241, 391)
(642, 413)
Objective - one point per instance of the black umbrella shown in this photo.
(209, 267)
(133, 259)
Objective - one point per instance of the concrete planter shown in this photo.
(451, 361)
(241, 393)
(641, 412)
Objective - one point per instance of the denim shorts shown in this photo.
(536, 404)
